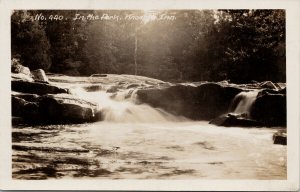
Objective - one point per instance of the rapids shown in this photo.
(137, 141)
(122, 107)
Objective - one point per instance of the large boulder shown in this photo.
(35, 87)
(280, 137)
(16, 67)
(58, 108)
(17, 106)
(39, 75)
(205, 101)
(270, 108)
(235, 120)
(20, 72)
(67, 109)
(26, 96)
(22, 108)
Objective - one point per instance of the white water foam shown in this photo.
(243, 102)
(122, 107)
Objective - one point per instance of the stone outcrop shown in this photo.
(35, 100)
(203, 102)
(20, 72)
(280, 137)
(67, 108)
(58, 108)
(25, 109)
(17, 68)
(39, 76)
(35, 87)
(17, 106)
(270, 108)
(26, 96)
(234, 120)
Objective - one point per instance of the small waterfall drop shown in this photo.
(243, 102)
(122, 107)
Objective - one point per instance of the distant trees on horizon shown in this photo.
(199, 45)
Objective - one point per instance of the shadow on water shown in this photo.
(38, 163)
(33, 137)
(38, 173)
(56, 166)
(176, 172)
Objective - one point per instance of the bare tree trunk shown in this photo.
(135, 54)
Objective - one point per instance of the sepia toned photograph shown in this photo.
(148, 94)
(141, 95)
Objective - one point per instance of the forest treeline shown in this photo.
(199, 45)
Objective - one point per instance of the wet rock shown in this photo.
(31, 111)
(39, 75)
(280, 85)
(17, 120)
(112, 89)
(27, 110)
(26, 96)
(20, 72)
(268, 85)
(98, 116)
(35, 87)
(16, 67)
(93, 88)
(270, 108)
(21, 76)
(66, 108)
(59, 108)
(234, 120)
(280, 137)
(17, 106)
(134, 85)
(205, 101)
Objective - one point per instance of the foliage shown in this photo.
(255, 44)
(199, 45)
(29, 41)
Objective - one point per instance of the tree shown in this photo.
(67, 38)
(255, 41)
(29, 41)
(199, 45)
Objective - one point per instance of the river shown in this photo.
(136, 141)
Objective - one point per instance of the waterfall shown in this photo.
(122, 107)
(243, 102)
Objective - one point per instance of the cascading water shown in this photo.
(122, 107)
(243, 102)
(137, 141)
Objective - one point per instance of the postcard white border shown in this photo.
(293, 61)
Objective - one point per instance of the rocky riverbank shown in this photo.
(38, 98)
